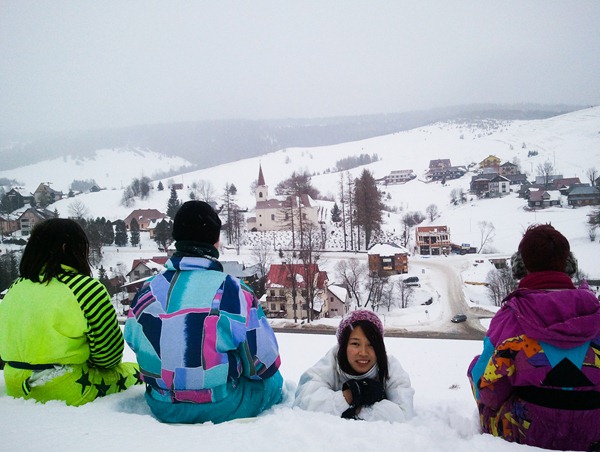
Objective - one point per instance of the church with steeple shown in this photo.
(280, 213)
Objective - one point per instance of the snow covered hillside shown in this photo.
(110, 168)
(571, 142)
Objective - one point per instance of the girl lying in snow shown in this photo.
(356, 379)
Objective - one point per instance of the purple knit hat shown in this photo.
(354, 316)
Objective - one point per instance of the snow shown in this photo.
(446, 414)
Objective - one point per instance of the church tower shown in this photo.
(262, 191)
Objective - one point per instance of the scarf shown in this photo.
(546, 280)
(188, 248)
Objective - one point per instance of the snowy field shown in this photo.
(445, 413)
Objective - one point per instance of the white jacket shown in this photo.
(320, 389)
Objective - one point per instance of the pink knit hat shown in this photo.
(354, 316)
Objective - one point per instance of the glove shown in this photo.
(365, 392)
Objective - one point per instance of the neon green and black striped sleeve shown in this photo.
(105, 336)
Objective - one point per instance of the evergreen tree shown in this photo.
(368, 205)
(107, 233)
(135, 232)
(336, 214)
(121, 238)
(103, 278)
(160, 186)
(173, 204)
(9, 269)
(162, 234)
(229, 206)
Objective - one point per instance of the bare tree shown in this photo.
(432, 211)
(309, 256)
(546, 170)
(487, 231)
(263, 259)
(352, 273)
(291, 263)
(78, 210)
(499, 284)
(405, 294)
(377, 286)
(202, 190)
(344, 209)
(592, 174)
(387, 296)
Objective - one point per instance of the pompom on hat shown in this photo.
(197, 221)
(355, 316)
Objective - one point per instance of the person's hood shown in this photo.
(563, 318)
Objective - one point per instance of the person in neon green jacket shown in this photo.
(59, 335)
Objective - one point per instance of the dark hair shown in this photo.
(375, 338)
(54, 242)
(544, 248)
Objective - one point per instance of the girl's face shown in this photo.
(360, 353)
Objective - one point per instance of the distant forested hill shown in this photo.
(210, 143)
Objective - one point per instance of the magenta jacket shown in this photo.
(537, 381)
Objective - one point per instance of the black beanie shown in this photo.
(197, 221)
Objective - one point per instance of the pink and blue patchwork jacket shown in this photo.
(196, 331)
(537, 381)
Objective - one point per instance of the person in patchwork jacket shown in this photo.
(205, 348)
(59, 335)
(537, 381)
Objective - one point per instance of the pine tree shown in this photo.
(135, 232)
(162, 234)
(173, 204)
(160, 186)
(121, 238)
(368, 205)
(336, 214)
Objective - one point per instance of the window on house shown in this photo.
(273, 306)
(272, 217)
(272, 292)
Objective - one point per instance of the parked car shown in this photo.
(458, 318)
(412, 281)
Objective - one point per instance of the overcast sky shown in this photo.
(91, 64)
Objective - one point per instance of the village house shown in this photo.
(16, 198)
(499, 186)
(250, 275)
(276, 214)
(282, 278)
(387, 259)
(480, 183)
(540, 199)
(432, 240)
(442, 169)
(508, 169)
(565, 184)
(337, 301)
(491, 161)
(141, 270)
(145, 218)
(8, 224)
(44, 195)
(548, 180)
(32, 216)
(144, 268)
(584, 196)
(399, 177)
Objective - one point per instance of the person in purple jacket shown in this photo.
(537, 381)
